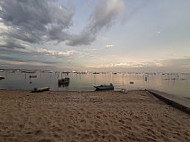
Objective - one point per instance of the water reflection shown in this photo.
(174, 83)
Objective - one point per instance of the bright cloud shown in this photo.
(109, 46)
(55, 53)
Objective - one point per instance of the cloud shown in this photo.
(54, 53)
(169, 65)
(102, 17)
(3, 27)
(102, 38)
(104, 14)
(20, 60)
(109, 46)
(44, 20)
(11, 44)
(178, 63)
(16, 51)
(27, 25)
(85, 38)
(36, 21)
(135, 10)
(16, 46)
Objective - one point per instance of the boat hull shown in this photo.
(64, 81)
(101, 88)
(40, 89)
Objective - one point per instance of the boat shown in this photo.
(63, 81)
(1, 77)
(104, 87)
(27, 71)
(33, 76)
(40, 89)
(131, 82)
(65, 73)
(96, 73)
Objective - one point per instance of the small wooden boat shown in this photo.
(63, 81)
(40, 89)
(104, 87)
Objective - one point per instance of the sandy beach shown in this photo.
(89, 117)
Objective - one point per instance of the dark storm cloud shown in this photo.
(36, 21)
(102, 17)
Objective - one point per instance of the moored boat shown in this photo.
(1, 77)
(33, 76)
(104, 87)
(40, 89)
(64, 81)
(96, 73)
(131, 82)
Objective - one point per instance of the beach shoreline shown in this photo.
(89, 116)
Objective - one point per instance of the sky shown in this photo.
(95, 35)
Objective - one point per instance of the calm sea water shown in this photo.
(176, 84)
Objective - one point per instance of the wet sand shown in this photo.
(89, 116)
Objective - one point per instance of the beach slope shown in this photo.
(89, 116)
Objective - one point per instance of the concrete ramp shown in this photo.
(178, 102)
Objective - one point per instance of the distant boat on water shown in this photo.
(131, 82)
(26, 71)
(183, 79)
(33, 76)
(104, 87)
(65, 72)
(96, 73)
(40, 89)
(46, 71)
(1, 77)
(64, 81)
